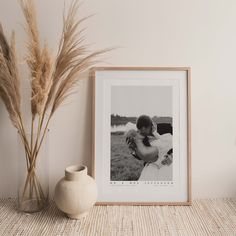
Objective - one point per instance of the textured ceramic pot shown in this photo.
(76, 193)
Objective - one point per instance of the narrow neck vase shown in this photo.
(33, 173)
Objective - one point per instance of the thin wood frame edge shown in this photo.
(189, 151)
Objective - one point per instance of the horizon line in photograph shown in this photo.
(117, 119)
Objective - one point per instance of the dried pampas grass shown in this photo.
(9, 78)
(38, 59)
(52, 79)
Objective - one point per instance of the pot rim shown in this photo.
(76, 168)
(75, 172)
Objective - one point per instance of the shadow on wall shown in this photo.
(8, 155)
(71, 137)
(87, 140)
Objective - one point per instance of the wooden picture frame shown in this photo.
(111, 190)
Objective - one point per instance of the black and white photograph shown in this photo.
(141, 151)
(141, 133)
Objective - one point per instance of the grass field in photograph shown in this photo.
(124, 167)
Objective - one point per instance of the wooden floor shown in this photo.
(204, 217)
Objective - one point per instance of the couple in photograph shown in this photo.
(156, 150)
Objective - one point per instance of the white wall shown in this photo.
(200, 34)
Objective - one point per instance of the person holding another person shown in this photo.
(154, 149)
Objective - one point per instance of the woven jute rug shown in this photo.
(204, 217)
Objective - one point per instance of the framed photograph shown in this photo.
(142, 137)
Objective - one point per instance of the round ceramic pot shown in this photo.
(76, 193)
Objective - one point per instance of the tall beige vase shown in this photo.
(76, 193)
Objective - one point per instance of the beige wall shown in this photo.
(200, 34)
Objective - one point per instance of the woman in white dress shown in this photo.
(157, 155)
(161, 169)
